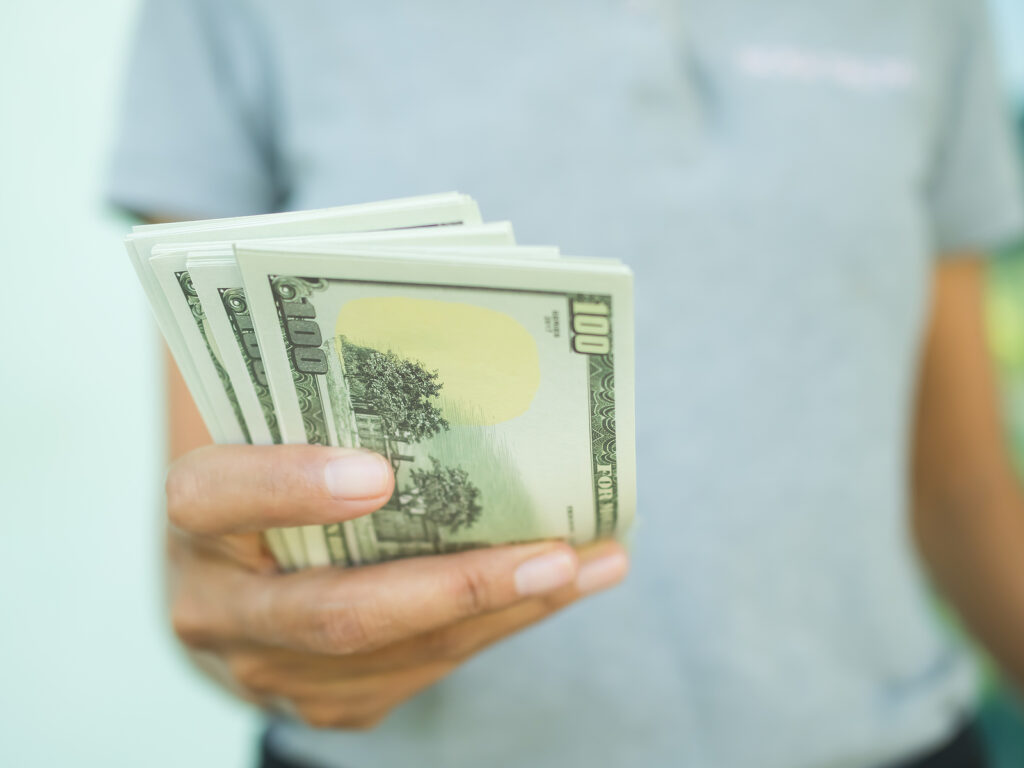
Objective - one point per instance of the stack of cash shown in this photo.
(497, 379)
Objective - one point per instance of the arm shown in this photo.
(185, 428)
(968, 505)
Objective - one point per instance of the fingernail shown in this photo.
(545, 573)
(357, 475)
(602, 573)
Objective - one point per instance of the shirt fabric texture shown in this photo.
(779, 176)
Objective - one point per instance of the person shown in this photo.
(804, 191)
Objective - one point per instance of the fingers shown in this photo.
(349, 611)
(377, 606)
(357, 691)
(602, 565)
(224, 489)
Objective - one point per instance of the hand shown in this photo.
(340, 648)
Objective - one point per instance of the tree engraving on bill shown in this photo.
(237, 308)
(378, 401)
(196, 308)
(393, 402)
(355, 393)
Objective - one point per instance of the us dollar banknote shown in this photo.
(496, 379)
(159, 254)
(217, 282)
(229, 339)
(500, 392)
(145, 241)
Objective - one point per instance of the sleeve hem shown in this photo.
(155, 186)
(994, 234)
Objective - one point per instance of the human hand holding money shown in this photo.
(341, 648)
(496, 380)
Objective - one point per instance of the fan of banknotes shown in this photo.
(497, 379)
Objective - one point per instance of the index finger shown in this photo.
(224, 489)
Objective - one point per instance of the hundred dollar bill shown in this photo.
(319, 546)
(428, 210)
(229, 362)
(180, 317)
(499, 388)
(218, 283)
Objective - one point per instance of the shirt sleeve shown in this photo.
(975, 196)
(194, 135)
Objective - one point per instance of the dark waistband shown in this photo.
(964, 750)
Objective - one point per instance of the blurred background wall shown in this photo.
(90, 676)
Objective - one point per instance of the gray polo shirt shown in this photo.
(780, 176)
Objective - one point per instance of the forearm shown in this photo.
(971, 536)
(185, 428)
(969, 509)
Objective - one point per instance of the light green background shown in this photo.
(89, 675)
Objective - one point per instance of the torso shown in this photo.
(760, 167)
